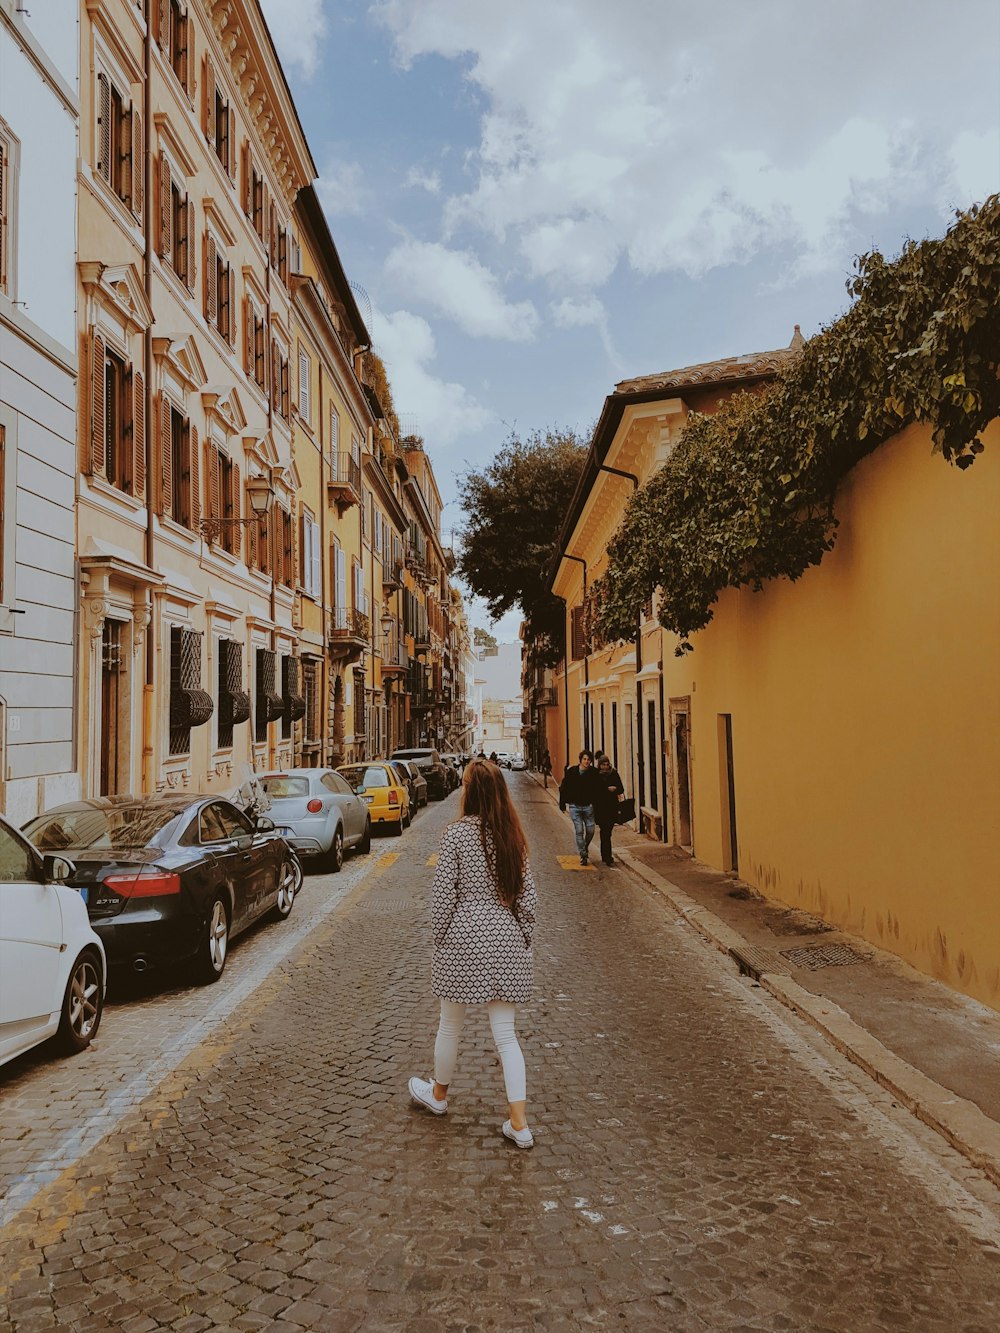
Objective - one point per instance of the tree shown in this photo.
(515, 509)
(482, 638)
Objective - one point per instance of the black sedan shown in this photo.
(170, 878)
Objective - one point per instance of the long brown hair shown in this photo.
(485, 794)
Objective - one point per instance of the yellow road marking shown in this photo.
(432, 860)
(572, 863)
(386, 860)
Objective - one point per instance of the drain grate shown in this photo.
(814, 956)
(388, 905)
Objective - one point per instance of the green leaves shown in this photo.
(747, 495)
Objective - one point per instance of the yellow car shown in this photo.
(382, 791)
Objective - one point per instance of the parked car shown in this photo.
(429, 762)
(383, 790)
(415, 781)
(503, 758)
(318, 814)
(53, 972)
(518, 764)
(170, 878)
(453, 762)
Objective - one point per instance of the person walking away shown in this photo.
(546, 769)
(482, 917)
(606, 806)
(578, 791)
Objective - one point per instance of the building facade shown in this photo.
(39, 119)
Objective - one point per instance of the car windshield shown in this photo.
(115, 828)
(281, 786)
(366, 776)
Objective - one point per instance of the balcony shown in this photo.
(544, 696)
(392, 576)
(349, 631)
(344, 485)
(395, 660)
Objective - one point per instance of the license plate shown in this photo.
(284, 832)
(84, 893)
(370, 799)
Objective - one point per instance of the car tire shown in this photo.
(333, 861)
(289, 883)
(365, 845)
(397, 828)
(83, 1004)
(214, 949)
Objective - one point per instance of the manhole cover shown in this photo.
(388, 904)
(814, 956)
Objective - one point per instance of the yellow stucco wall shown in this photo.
(865, 710)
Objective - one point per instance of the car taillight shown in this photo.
(393, 796)
(144, 884)
(314, 806)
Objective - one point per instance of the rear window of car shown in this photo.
(117, 828)
(366, 776)
(280, 787)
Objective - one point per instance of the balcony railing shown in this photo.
(345, 480)
(392, 575)
(544, 696)
(395, 659)
(349, 626)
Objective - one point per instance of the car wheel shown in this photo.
(215, 942)
(83, 1004)
(365, 845)
(397, 828)
(289, 880)
(334, 859)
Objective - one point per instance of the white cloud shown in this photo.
(343, 189)
(424, 180)
(693, 135)
(446, 412)
(298, 28)
(457, 285)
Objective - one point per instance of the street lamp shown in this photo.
(260, 493)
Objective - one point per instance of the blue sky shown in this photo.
(543, 199)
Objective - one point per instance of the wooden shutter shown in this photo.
(194, 484)
(275, 377)
(247, 335)
(139, 434)
(578, 647)
(247, 179)
(315, 562)
(303, 384)
(161, 22)
(166, 210)
(166, 498)
(4, 230)
(181, 65)
(97, 413)
(252, 536)
(232, 536)
(104, 127)
(283, 254)
(284, 387)
(189, 265)
(231, 305)
(231, 142)
(208, 100)
(137, 162)
(272, 235)
(294, 555)
(211, 282)
(189, 65)
(212, 468)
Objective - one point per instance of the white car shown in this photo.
(318, 814)
(517, 764)
(53, 973)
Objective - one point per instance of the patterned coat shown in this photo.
(481, 951)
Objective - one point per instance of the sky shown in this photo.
(540, 199)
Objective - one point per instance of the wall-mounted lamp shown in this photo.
(260, 493)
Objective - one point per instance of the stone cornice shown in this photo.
(256, 71)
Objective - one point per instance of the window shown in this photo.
(219, 290)
(255, 342)
(17, 863)
(269, 703)
(305, 372)
(218, 119)
(279, 379)
(311, 691)
(179, 496)
(234, 702)
(334, 436)
(285, 556)
(293, 703)
(311, 574)
(577, 645)
(119, 142)
(8, 167)
(277, 243)
(117, 447)
(359, 724)
(224, 495)
(190, 705)
(339, 577)
(175, 221)
(254, 193)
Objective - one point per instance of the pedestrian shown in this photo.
(606, 806)
(493, 759)
(546, 769)
(482, 915)
(578, 791)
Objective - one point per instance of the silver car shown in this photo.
(316, 812)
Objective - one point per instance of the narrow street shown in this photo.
(246, 1156)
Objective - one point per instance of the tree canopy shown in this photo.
(482, 638)
(514, 510)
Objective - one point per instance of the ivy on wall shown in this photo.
(747, 494)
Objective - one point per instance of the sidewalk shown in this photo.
(937, 1051)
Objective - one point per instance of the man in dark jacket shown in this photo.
(606, 807)
(578, 791)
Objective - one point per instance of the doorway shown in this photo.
(111, 705)
(680, 795)
(727, 794)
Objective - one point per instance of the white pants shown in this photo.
(504, 1034)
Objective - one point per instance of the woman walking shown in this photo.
(606, 805)
(482, 914)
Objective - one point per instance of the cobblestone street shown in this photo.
(247, 1157)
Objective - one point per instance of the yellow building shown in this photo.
(832, 741)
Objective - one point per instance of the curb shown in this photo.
(960, 1122)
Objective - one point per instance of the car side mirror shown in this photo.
(264, 825)
(360, 789)
(57, 869)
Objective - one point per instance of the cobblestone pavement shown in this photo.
(699, 1162)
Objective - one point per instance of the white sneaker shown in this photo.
(422, 1092)
(522, 1137)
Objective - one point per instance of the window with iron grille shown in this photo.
(310, 689)
(359, 703)
(292, 701)
(234, 702)
(187, 699)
